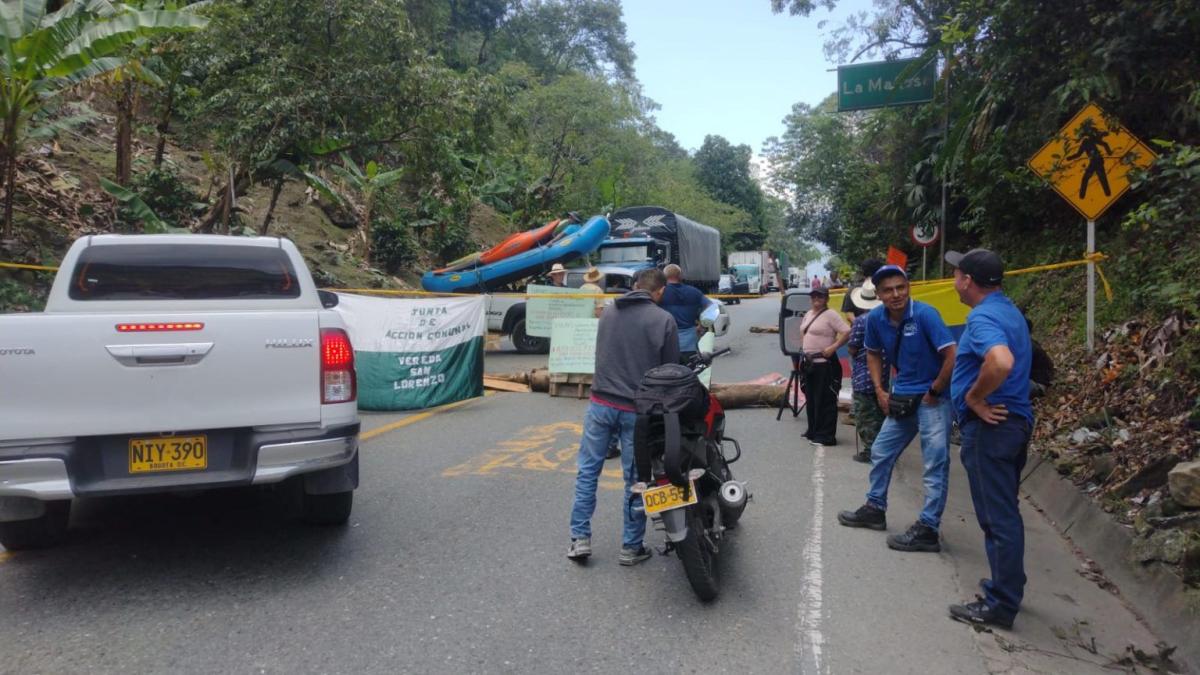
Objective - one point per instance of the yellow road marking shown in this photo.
(4, 556)
(535, 449)
(413, 419)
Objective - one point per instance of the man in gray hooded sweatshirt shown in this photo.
(635, 335)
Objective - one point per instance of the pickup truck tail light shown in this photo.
(338, 383)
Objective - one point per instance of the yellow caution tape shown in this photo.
(1096, 258)
(385, 291)
(36, 268)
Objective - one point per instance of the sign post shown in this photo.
(1091, 287)
(1088, 164)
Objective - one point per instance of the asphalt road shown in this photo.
(454, 562)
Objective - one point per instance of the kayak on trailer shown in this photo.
(515, 243)
(519, 243)
(573, 242)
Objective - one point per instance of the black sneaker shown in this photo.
(919, 537)
(864, 457)
(868, 516)
(979, 614)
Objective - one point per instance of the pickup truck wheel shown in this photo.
(526, 343)
(47, 530)
(330, 509)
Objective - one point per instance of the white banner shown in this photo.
(413, 354)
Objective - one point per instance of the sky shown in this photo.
(730, 67)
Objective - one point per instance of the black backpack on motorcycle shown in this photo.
(671, 405)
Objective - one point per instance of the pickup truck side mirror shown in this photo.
(329, 299)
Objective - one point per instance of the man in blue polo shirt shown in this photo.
(913, 337)
(990, 388)
(685, 303)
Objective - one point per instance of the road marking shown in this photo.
(413, 419)
(541, 449)
(4, 556)
(810, 644)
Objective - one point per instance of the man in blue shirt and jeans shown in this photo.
(990, 388)
(912, 337)
(684, 303)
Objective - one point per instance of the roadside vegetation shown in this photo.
(383, 136)
(1012, 72)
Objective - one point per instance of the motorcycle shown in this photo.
(684, 482)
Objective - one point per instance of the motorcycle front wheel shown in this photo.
(698, 557)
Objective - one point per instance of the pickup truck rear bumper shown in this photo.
(66, 468)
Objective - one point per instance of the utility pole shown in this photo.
(945, 168)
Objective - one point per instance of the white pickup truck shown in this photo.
(506, 314)
(173, 363)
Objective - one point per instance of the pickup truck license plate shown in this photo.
(168, 453)
(667, 497)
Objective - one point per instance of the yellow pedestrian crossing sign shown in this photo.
(1089, 160)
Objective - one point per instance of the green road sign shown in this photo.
(880, 85)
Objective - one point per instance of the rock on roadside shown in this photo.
(1184, 483)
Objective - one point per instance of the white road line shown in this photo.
(810, 643)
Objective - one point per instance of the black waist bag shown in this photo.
(671, 405)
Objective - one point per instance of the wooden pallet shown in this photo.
(573, 385)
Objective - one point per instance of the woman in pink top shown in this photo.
(824, 332)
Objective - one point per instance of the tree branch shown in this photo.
(884, 41)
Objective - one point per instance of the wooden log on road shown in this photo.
(764, 329)
(538, 379)
(734, 396)
(497, 384)
(731, 396)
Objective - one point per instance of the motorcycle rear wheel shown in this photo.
(698, 558)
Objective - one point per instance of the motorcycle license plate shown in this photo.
(667, 497)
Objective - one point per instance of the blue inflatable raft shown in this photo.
(574, 242)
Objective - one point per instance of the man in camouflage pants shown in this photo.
(868, 416)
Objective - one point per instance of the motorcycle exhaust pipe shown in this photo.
(733, 494)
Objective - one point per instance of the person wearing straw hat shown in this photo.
(591, 285)
(990, 391)
(558, 275)
(868, 416)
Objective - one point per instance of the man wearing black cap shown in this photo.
(911, 336)
(990, 390)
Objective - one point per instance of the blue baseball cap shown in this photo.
(887, 271)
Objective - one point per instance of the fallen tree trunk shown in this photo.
(537, 379)
(764, 329)
(734, 396)
(731, 396)
(497, 384)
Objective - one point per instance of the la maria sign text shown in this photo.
(887, 83)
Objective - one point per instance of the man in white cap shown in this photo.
(913, 338)
(558, 275)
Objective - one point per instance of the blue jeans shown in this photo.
(994, 455)
(933, 423)
(600, 425)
